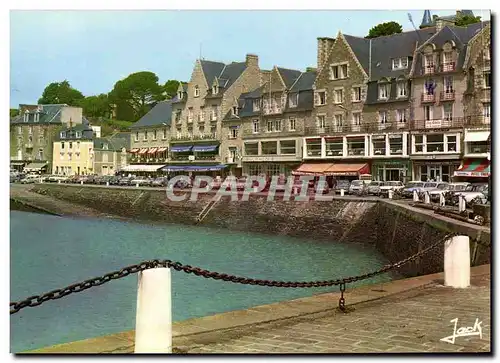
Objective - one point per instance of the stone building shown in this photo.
(33, 132)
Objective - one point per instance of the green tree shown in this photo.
(382, 29)
(170, 88)
(467, 20)
(60, 92)
(96, 106)
(139, 91)
(14, 112)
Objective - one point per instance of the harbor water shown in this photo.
(49, 252)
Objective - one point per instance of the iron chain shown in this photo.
(98, 281)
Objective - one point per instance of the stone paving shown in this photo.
(413, 321)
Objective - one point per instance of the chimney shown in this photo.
(310, 69)
(252, 60)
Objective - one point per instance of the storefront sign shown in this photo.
(472, 174)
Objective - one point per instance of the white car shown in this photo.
(474, 192)
(442, 189)
(391, 185)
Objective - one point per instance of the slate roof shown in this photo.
(289, 76)
(211, 70)
(161, 113)
(86, 133)
(115, 142)
(304, 82)
(50, 114)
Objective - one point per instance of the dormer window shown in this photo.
(256, 105)
(37, 116)
(400, 63)
(215, 90)
(63, 135)
(234, 110)
(196, 91)
(179, 95)
(402, 89)
(293, 100)
(26, 116)
(78, 134)
(105, 146)
(383, 91)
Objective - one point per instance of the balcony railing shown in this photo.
(448, 66)
(437, 123)
(476, 149)
(429, 69)
(478, 121)
(356, 151)
(428, 98)
(379, 151)
(447, 95)
(203, 137)
(363, 128)
(334, 152)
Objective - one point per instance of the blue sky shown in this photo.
(94, 49)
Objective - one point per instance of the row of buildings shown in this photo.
(415, 105)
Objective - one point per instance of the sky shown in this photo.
(95, 49)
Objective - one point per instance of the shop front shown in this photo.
(434, 169)
(193, 170)
(473, 170)
(392, 170)
(334, 171)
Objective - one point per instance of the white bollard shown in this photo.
(461, 203)
(415, 196)
(137, 185)
(41, 180)
(153, 324)
(81, 182)
(107, 184)
(390, 193)
(427, 198)
(457, 262)
(59, 181)
(341, 192)
(442, 201)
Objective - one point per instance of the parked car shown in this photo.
(407, 191)
(446, 190)
(374, 187)
(358, 187)
(473, 194)
(142, 181)
(30, 179)
(395, 186)
(124, 181)
(159, 182)
(430, 187)
(342, 184)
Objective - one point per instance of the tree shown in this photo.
(465, 20)
(382, 29)
(59, 93)
(140, 91)
(96, 106)
(170, 88)
(14, 112)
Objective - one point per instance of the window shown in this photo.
(145, 136)
(451, 143)
(313, 147)
(401, 115)
(291, 124)
(338, 72)
(70, 156)
(178, 115)
(419, 143)
(252, 148)
(164, 134)
(62, 145)
(201, 115)
(356, 118)
(78, 134)
(214, 113)
(233, 134)
(356, 94)
(213, 131)
(19, 130)
(320, 98)
(320, 121)
(356, 146)
(447, 111)
(339, 96)
(382, 117)
(269, 126)
(269, 147)
(487, 54)
(448, 84)
(255, 126)
(334, 146)
(400, 63)
(196, 91)
(30, 130)
(383, 91)
(71, 145)
(277, 125)
(215, 90)
(486, 110)
(487, 79)
(402, 89)
(428, 113)
(137, 136)
(26, 116)
(78, 145)
(378, 142)
(293, 100)
(256, 105)
(234, 110)
(179, 95)
(104, 146)
(190, 114)
(447, 57)
(37, 117)
(154, 134)
(287, 147)
(179, 133)
(339, 121)
(396, 144)
(435, 143)
(429, 63)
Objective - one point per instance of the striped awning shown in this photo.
(143, 151)
(161, 149)
(35, 166)
(152, 150)
(142, 168)
(474, 168)
(134, 150)
(316, 169)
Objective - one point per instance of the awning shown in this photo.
(143, 151)
(152, 150)
(35, 166)
(181, 148)
(474, 136)
(16, 163)
(347, 169)
(194, 167)
(474, 168)
(205, 148)
(317, 169)
(145, 168)
(134, 151)
(161, 149)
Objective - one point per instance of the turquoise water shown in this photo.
(49, 252)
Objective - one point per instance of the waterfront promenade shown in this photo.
(409, 315)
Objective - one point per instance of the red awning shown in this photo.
(161, 149)
(347, 169)
(474, 168)
(312, 169)
(143, 151)
(134, 151)
(152, 150)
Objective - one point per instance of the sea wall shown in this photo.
(396, 230)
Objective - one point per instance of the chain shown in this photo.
(98, 281)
